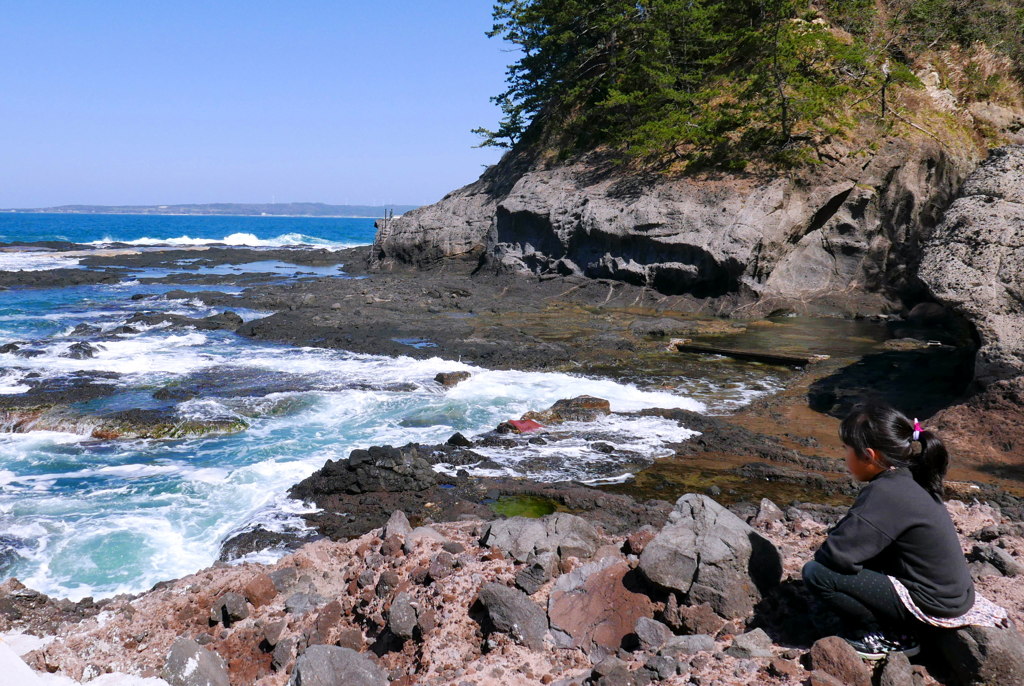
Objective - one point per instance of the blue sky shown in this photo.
(106, 102)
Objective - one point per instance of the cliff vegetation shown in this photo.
(685, 84)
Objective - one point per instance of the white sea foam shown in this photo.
(100, 518)
(237, 239)
(32, 261)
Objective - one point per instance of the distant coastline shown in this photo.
(293, 209)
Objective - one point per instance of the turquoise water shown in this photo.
(81, 516)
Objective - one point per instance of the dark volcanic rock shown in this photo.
(60, 278)
(376, 469)
(190, 664)
(449, 379)
(228, 321)
(984, 655)
(323, 665)
(510, 611)
(80, 351)
(258, 539)
(228, 609)
(584, 408)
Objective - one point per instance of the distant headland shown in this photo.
(278, 209)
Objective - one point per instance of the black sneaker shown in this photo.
(876, 645)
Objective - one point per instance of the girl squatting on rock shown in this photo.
(893, 565)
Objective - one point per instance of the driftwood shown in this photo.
(684, 345)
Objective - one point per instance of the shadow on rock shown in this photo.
(919, 382)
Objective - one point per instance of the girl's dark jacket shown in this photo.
(898, 528)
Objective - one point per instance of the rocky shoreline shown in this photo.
(522, 601)
(458, 599)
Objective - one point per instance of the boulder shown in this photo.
(282, 654)
(301, 603)
(709, 555)
(663, 666)
(583, 408)
(379, 468)
(592, 606)
(398, 524)
(80, 351)
(402, 616)
(677, 646)
(984, 655)
(510, 611)
(998, 558)
(768, 514)
(651, 634)
(837, 658)
(539, 569)
(441, 565)
(421, 534)
(637, 540)
(190, 664)
(228, 609)
(692, 619)
(323, 665)
(754, 643)
(896, 671)
(561, 533)
(449, 379)
(260, 590)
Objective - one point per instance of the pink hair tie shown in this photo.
(917, 429)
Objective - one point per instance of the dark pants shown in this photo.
(867, 599)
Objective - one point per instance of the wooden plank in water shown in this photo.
(684, 345)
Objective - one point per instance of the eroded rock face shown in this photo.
(842, 236)
(974, 261)
(709, 555)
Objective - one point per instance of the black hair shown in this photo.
(890, 434)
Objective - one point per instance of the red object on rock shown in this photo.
(525, 426)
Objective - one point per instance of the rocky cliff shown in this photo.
(974, 261)
(843, 237)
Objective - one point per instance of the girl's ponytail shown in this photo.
(929, 466)
(897, 442)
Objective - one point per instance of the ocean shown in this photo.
(80, 516)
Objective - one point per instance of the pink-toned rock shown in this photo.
(260, 590)
(784, 669)
(838, 658)
(592, 605)
(327, 619)
(695, 619)
(822, 678)
(638, 540)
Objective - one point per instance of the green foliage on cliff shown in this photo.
(717, 80)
